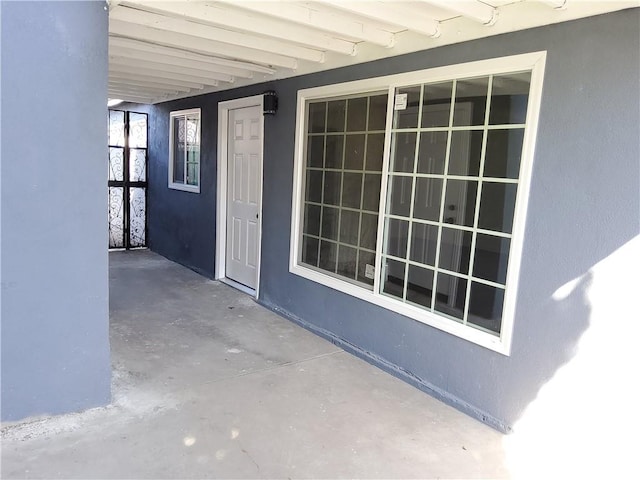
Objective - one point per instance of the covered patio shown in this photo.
(209, 384)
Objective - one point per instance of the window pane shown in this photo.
(420, 285)
(347, 257)
(369, 231)
(193, 173)
(357, 114)
(137, 165)
(349, 226)
(366, 267)
(455, 249)
(354, 152)
(400, 195)
(116, 128)
(315, 151)
(317, 117)
(491, 258)
(497, 204)
(427, 199)
(408, 118)
(393, 279)
(332, 181)
(432, 152)
(509, 98)
(178, 149)
(310, 250)
(436, 104)
(116, 217)
(377, 112)
(485, 306)
(371, 200)
(424, 240)
(328, 256)
(471, 101)
(403, 149)
(375, 151)
(351, 190)
(460, 202)
(504, 149)
(330, 217)
(137, 130)
(116, 163)
(334, 153)
(338, 192)
(314, 186)
(336, 111)
(451, 292)
(466, 149)
(137, 216)
(193, 130)
(312, 219)
(397, 236)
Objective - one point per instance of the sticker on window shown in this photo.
(369, 271)
(400, 102)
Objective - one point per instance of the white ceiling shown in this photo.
(162, 50)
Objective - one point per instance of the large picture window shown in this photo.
(411, 191)
(184, 150)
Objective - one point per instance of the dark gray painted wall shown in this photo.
(55, 324)
(584, 204)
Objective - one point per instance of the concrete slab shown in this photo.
(208, 384)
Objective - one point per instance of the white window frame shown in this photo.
(530, 61)
(184, 186)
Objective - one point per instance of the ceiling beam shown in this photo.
(138, 88)
(131, 97)
(199, 45)
(232, 19)
(177, 61)
(309, 16)
(142, 46)
(151, 80)
(390, 15)
(477, 11)
(170, 68)
(556, 4)
(174, 25)
(137, 70)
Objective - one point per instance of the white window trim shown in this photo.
(534, 61)
(183, 186)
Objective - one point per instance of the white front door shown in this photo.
(244, 167)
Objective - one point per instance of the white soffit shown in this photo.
(162, 50)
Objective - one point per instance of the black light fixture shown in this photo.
(270, 103)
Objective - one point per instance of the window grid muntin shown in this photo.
(339, 206)
(480, 179)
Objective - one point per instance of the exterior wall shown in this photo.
(584, 204)
(55, 317)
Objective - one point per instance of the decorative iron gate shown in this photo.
(127, 179)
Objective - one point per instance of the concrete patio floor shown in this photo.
(208, 384)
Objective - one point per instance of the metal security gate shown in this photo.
(127, 179)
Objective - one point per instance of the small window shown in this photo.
(412, 193)
(184, 150)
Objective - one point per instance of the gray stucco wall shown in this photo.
(584, 204)
(55, 323)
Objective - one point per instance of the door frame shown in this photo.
(222, 195)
